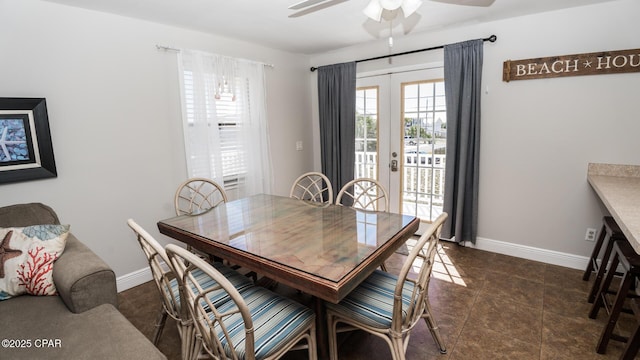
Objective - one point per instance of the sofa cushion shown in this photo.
(55, 333)
(27, 214)
(26, 259)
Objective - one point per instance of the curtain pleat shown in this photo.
(337, 113)
(463, 82)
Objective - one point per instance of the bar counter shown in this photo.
(618, 186)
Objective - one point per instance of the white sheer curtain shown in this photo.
(225, 123)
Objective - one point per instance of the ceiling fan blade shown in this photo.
(304, 4)
(484, 3)
(317, 7)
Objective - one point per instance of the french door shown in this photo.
(401, 138)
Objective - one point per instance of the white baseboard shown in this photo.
(531, 253)
(142, 276)
(133, 279)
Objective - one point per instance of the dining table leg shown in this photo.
(321, 329)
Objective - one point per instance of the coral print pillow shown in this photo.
(26, 259)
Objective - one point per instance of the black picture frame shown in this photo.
(26, 151)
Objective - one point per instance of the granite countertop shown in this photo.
(618, 186)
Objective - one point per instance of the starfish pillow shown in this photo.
(26, 259)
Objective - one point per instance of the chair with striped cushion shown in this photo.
(312, 186)
(256, 324)
(390, 306)
(365, 194)
(168, 289)
(196, 195)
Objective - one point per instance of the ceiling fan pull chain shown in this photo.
(390, 34)
(390, 40)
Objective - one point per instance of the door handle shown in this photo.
(394, 165)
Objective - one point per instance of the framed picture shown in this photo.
(26, 151)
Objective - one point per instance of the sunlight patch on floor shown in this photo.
(443, 267)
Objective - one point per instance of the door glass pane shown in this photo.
(366, 164)
(425, 134)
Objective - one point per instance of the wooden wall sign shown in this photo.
(604, 62)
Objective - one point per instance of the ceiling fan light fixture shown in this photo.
(374, 10)
(391, 4)
(410, 6)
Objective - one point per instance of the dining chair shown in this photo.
(312, 186)
(365, 194)
(198, 194)
(390, 306)
(168, 289)
(255, 323)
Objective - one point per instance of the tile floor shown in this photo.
(488, 306)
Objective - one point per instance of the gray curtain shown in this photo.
(337, 110)
(462, 82)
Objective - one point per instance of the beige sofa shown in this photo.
(82, 322)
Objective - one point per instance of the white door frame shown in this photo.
(390, 126)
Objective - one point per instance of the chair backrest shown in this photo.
(162, 275)
(198, 194)
(411, 291)
(365, 194)
(312, 186)
(210, 320)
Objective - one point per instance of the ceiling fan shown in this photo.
(376, 7)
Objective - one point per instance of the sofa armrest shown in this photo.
(83, 280)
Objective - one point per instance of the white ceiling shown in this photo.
(342, 24)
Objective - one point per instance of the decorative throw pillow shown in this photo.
(26, 259)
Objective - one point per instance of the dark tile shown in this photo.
(520, 321)
(479, 343)
(566, 278)
(566, 301)
(447, 269)
(570, 337)
(517, 267)
(465, 257)
(517, 289)
(448, 298)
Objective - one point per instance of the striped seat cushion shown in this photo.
(371, 302)
(277, 321)
(217, 297)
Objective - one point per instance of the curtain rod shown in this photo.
(168, 48)
(491, 38)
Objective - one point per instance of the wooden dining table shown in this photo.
(320, 249)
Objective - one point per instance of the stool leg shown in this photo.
(604, 288)
(615, 311)
(601, 271)
(594, 254)
(633, 344)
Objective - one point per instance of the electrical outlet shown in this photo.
(590, 235)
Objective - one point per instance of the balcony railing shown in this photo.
(423, 178)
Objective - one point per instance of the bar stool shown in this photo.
(631, 350)
(609, 233)
(625, 256)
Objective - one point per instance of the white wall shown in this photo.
(539, 135)
(114, 112)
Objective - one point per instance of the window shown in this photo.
(366, 133)
(225, 122)
(425, 122)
